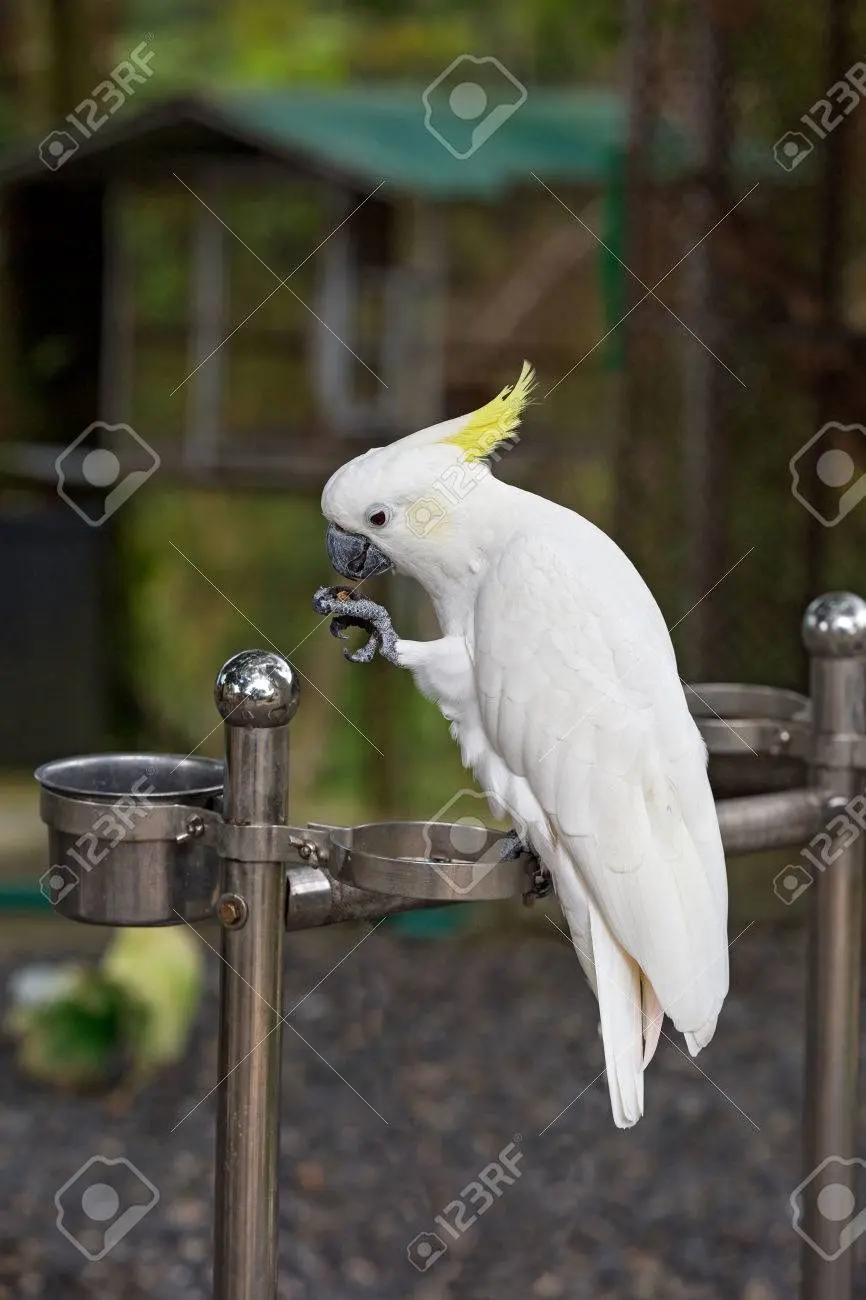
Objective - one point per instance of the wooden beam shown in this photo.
(117, 333)
(207, 332)
(706, 387)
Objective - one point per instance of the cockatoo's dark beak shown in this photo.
(355, 556)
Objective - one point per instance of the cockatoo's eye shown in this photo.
(378, 515)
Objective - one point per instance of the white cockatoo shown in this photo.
(557, 674)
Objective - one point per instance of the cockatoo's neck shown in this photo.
(470, 539)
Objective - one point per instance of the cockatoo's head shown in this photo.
(404, 506)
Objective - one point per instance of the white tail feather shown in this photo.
(653, 1015)
(695, 1041)
(619, 1001)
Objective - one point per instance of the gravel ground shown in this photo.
(448, 1051)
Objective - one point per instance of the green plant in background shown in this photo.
(118, 1022)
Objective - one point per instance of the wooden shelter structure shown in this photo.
(388, 332)
(388, 338)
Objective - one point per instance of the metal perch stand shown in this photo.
(160, 840)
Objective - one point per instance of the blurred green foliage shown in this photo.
(211, 572)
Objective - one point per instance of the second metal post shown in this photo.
(834, 632)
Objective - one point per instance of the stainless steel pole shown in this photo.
(257, 695)
(834, 632)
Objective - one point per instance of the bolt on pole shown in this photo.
(257, 695)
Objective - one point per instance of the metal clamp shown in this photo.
(309, 897)
(128, 821)
(267, 843)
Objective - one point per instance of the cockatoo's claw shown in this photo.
(365, 654)
(512, 847)
(358, 611)
(540, 883)
(343, 621)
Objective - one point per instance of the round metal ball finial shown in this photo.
(257, 688)
(834, 626)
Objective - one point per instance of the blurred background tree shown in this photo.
(620, 434)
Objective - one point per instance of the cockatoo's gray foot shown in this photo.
(511, 847)
(540, 883)
(358, 611)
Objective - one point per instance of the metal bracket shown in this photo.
(309, 898)
(265, 843)
(127, 819)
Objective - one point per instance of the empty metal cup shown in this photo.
(129, 839)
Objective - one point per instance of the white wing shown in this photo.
(580, 697)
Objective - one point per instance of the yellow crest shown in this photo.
(494, 423)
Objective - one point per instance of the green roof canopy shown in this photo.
(365, 135)
(371, 134)
(380, 134)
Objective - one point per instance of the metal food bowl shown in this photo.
(124, 837)
(428, 860)
(757, 736)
